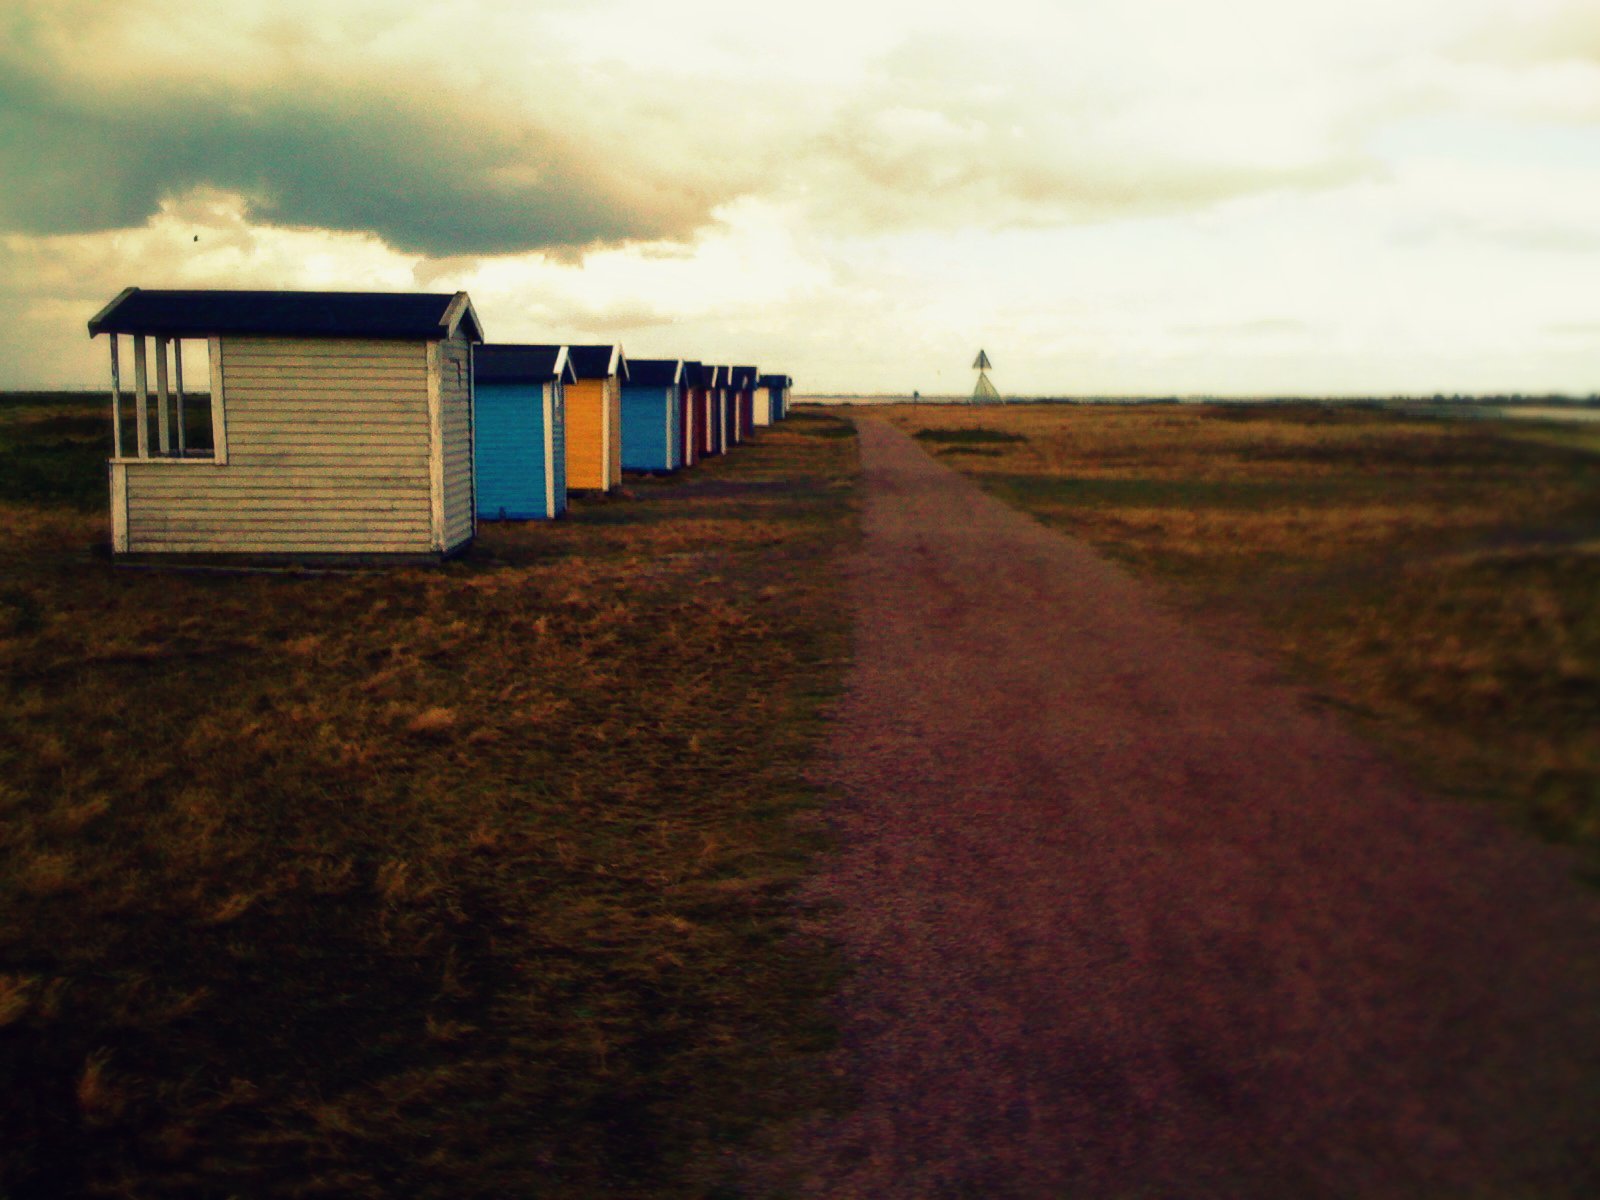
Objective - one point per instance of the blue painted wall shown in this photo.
(510, 458)
(649, 431)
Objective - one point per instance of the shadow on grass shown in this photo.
(971, 436)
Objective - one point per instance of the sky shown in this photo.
(1152, 197)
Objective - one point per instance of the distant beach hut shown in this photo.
(693, 422)
(520, 450)
(742, 390)
(730, 411)
(336, 423)
(710, 410)
(652, 415)
(771, 398)
(594, 418)
(716, 410)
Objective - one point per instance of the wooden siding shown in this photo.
(327, 444)
(647, 428)
(455, 359)
(614, 415)
(515, 448)
(719, 421)
(675, 427)
(556, 443)
(594, 435)
(689, 427)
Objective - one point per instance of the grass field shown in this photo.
(456, 882)
(1435, 580)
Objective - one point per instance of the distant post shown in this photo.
(984, 392)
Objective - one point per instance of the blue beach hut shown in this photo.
(652, 415)
(520, 431)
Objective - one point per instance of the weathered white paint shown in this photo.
(119, 505)
(550, 447)
(219, 407)
(177, 367)
(141, 395)
(302, 477)
(163, 404)
(116, 400)
(456, 422)
(157, 461)
(472, 420)
(435, 449)
(606, 481)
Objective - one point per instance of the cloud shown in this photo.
(948, 133)
(1262, 327)
(427, 167)
(1540, 31)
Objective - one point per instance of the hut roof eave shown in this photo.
(407, 316)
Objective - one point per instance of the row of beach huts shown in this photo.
(377, 423)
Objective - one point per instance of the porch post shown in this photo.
(163, 417)
(177, 367)
(141, 394)
(116, 400)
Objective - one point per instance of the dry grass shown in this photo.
(457, 882)
(1435, 579)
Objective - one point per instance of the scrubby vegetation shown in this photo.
(967, 436)
(1435, 579)
(461, 882)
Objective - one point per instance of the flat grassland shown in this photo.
(453, 882)
(1436, 579)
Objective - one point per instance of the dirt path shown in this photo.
(1133, 919)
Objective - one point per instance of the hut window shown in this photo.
(168, 413)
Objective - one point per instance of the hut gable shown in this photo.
(340, 423)
(599, 362)
(524, 364)
(655, 372)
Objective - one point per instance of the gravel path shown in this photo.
(1132, 918)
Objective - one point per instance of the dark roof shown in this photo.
(655, 372)
(401, 315)
(598, 362)
(782, 381)
(692, 370)
(743, 377)
(521, 364)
